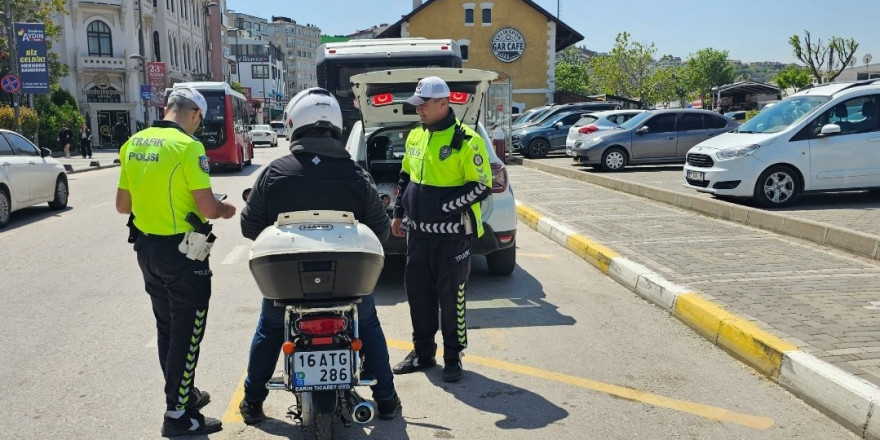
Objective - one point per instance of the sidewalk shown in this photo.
(803, 314)
(100, 159)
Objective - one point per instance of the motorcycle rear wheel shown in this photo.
(318, 421)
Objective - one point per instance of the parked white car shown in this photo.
(826, 138)
(377, 143)
(264, 134)
(28, 176)
(597, 121)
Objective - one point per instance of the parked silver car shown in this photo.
(660, 136)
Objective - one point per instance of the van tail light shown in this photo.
(322, 326)
(587, 129)
(499, 178)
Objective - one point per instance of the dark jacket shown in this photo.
(86, 135)
(318, 175)
(121, 132)
(65, 136)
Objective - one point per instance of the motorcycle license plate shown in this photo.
(321, 370)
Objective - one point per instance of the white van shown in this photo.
(278, 128)
(826, 138)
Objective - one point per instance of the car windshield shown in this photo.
(523, 117)
(783, 114)
(276, 124)
(635, 121)
(262, 127)
(536, 116)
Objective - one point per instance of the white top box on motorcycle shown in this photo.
(316, 255)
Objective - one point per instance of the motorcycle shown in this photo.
(317, 265)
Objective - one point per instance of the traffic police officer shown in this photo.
(444, 177)
(163, 178)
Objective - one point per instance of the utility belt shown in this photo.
(196, 245)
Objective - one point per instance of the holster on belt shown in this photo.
(196, 245)
(133, 231)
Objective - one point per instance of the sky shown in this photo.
(750, 30)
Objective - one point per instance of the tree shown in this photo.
(626, 71)
(238, 88)
(709, 68)
(793, 77)
(838, 54)
(572, 72)
(670, 84)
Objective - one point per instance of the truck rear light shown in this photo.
(322, 326)
(587, 129)
(499, 178)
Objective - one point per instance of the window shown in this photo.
(857, 115)
(5, 148)
(464, 52)
(100, 40)
(691, 121)
(170, 50)
(487, 16)
(21, 145)
(714, 121)
(571, 119)
(260, 71)
(155, 3)
(156, 46)
(469, 16)
(661, 123)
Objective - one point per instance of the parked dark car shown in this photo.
(535, 141)
(660, 136)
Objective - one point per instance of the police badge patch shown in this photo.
(445, 152)
(203, 162)
(478, 160)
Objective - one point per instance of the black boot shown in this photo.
(413, 362)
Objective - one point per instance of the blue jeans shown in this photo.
(266, 347)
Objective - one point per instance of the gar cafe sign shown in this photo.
(508, 44)
(102, 87)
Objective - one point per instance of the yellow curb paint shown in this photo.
(741, 338)
(528, 216)
(705, 411)
(594, 253)
(232, 414)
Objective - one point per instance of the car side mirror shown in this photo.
(642, 130)
(45, 152)
(829, 129)
(246, 193)
(558, 125)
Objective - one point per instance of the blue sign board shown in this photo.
(33, 63)
(146, 92)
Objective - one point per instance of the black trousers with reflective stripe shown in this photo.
(179, 289)
(436, 278)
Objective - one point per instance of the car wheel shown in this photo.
(502, 262)
(777, 187)
(61, 194)
(539, 148)
(5, 207)
(614, 159)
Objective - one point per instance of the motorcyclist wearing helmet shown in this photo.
(319, 174)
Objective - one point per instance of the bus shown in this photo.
(224, 131)
(337, 62)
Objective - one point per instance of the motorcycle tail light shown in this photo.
(324, 340)
(356, 344)
(499, 178)
(322, 325)
(288, 347)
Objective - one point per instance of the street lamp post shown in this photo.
(143, 65)
(207, 13)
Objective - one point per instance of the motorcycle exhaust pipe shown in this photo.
(363, 412)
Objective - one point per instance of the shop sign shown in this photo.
(508, 44)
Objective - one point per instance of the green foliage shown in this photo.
(709, 68)
(627, 70)
(52, 117)
(793, 77)
(670, 84)
(837, 54)
(29, 120)
(61, 97)
(238, 88)
(572, 72)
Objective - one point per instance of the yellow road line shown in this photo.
(705, 411)
(232, 415)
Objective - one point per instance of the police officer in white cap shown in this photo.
(444, 177)
(163, 178)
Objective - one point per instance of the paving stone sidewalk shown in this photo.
(823, 300)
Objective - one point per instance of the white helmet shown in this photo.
(314, 108)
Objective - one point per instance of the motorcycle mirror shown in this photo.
(245, 194)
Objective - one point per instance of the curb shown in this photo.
(842, 396)
(70, 169)
(855, 242)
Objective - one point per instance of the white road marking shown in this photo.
(232, 256)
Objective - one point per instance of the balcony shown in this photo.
(102, 2)
(101, 63)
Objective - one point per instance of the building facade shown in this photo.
(259, 64)
(106, 52)
(299, 43)
(517, 38)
